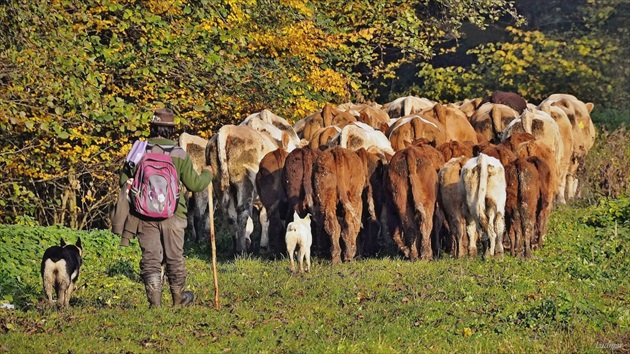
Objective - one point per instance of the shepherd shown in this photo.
(159, 207)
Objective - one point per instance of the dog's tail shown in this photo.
(291, 227)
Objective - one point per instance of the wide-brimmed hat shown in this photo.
(163, 116)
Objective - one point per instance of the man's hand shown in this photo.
(208, 168)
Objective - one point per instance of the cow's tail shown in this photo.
(307, 181)
(407, 107)
(343, 193)
(475, 181)
(482, 190)
(224, 179)
(416, 190)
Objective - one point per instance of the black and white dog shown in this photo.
(60, 271)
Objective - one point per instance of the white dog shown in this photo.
(299, 234)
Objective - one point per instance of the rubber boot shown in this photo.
(181, 297)
(153, 287)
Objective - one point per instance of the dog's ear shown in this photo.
(63, 243)
(78, 244)
(308, 217)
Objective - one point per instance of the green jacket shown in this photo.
(188, 177)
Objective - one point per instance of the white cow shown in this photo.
(275, 127)
(235, 153)
(544, 128)
(579, 114)
(482, 183)
(408, 105)
(360, 135)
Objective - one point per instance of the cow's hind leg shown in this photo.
(332, 228)
(264, 230)
(349, 234)
(499, 227)
(491, 232)
(426, 229)
(471, 231)
(458, 230)
(244, 229)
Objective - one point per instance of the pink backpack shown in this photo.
(155, 188)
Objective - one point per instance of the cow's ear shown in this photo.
(589, 107)
(63, 243)
(78, 244)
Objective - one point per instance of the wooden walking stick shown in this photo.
(214, 247)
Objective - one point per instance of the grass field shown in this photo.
(571, 297)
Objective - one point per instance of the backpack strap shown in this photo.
(166, 149)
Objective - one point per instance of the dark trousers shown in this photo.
(163, 241)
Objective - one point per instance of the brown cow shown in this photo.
(274, 200)
(322, 137)
(454, 121)
(510, 99)
(545, 199)
(521, 203)
(411, 182)
(407, 129)
(329, 115)
(373, 207)
(369, 113)
(298, 184)
(454, 149)
(500, 152)
(339, 178)
(525, 145)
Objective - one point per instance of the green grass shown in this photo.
(571, 297)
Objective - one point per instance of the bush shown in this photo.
(605, 172)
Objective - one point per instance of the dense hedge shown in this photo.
(81, 78)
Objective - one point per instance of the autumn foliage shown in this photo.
(80, 79)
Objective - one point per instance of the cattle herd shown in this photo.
(433, 178)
